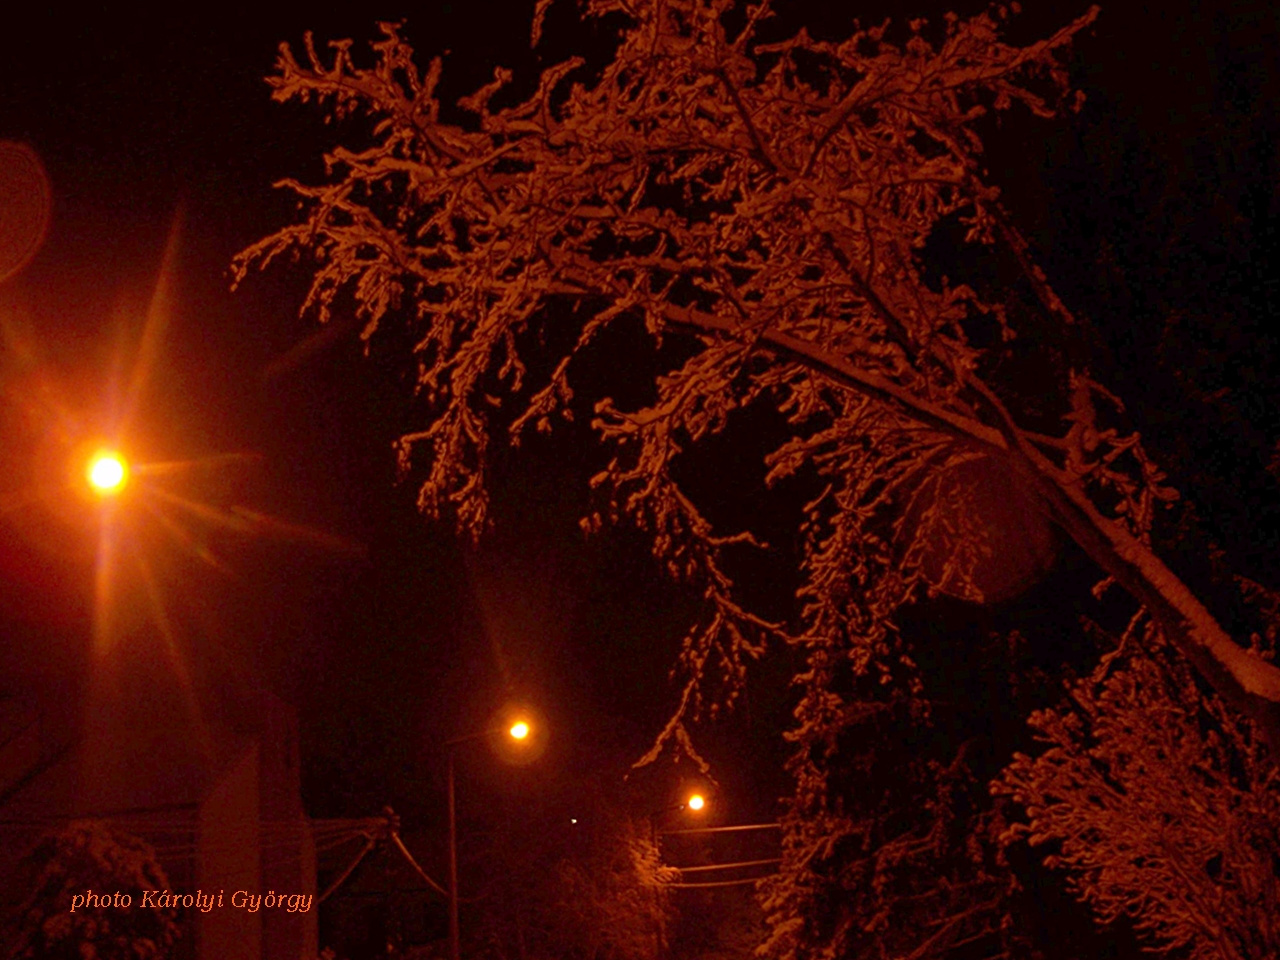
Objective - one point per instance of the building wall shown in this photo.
(288, 851)
(223, 811)
(228, 860)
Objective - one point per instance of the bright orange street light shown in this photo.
(519, 730)
(107, 473)
(696, 802)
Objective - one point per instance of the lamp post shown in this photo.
(697, 803)
(518, 731)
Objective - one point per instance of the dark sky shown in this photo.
(385, 632)
(393, 634)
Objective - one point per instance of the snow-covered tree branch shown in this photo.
(778, 204)
(1159, 802)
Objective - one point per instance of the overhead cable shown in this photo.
(395, 838)
(728, 866)
(734, 829)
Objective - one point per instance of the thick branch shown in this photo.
(847, 374)
(1250, 684)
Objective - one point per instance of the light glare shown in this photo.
(519, 730)
(107, 472)
(696, 802)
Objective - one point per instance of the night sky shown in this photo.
(387, 634)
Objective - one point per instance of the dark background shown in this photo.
(388, 634)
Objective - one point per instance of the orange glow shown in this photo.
(519, 730)
(696, 802)
(107, 472)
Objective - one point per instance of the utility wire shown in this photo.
(369, 844)
(395, 838)
(728, 866)
(744, 826)
(717, 883)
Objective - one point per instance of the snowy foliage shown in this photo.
(773, 203)
(770, 200)
(1159, 803)
(886, 853)
(88, 854)
(587, 889)
(775, 207)
(611, 902)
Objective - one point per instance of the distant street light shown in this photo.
(697, 803)
(107, 473)
(518, 731)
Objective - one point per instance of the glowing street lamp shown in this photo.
(518, 731)
(107, 473)
(697, 803)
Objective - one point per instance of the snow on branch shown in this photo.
(1159, 803)
(772, 205)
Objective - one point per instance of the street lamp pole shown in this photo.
(455, 948)
(659, 928)
(696, 802)
(518, 731)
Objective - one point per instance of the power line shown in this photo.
(739, 827)
(395, 838)
(718, 883)
(728, 866)
(369, 844)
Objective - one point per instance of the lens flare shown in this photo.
(696, 802)
(519, 730)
